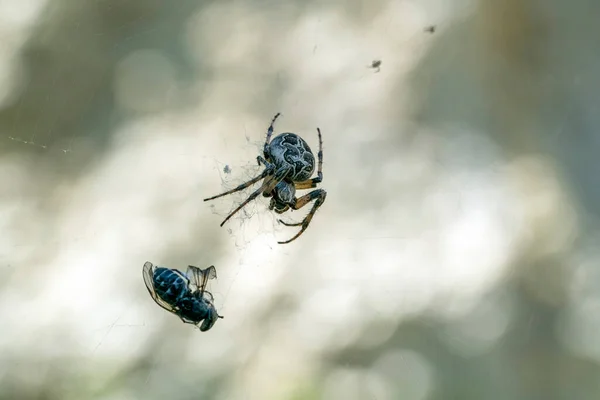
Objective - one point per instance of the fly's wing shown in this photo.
(200, 277)
(148, 272)
(208, 296)
(205, 297)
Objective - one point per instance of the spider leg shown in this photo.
(269, 183)
(319, 196)
(269, 133)
(312, 183)
(261, 160)
(308, 184)
(304, 200)
(268, 171)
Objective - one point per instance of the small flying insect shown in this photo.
(376, 65)
(184, 295)
(289, 164)
(430, 29)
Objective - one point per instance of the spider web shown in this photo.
(107, 162)
(254, 219)
(253, 225)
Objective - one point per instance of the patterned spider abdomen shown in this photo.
(289, 149)
(169, 285)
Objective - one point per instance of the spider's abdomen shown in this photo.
(290, 149)
(169, 285)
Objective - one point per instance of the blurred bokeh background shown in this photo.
(455, 257)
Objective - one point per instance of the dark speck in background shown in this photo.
(375, 64)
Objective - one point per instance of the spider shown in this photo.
(289, 164)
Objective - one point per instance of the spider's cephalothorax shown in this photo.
(289, 164)
(283, 194)
(173, 291)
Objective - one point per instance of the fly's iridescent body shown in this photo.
(184, 295)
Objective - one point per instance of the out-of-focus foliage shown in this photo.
(455, 256)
